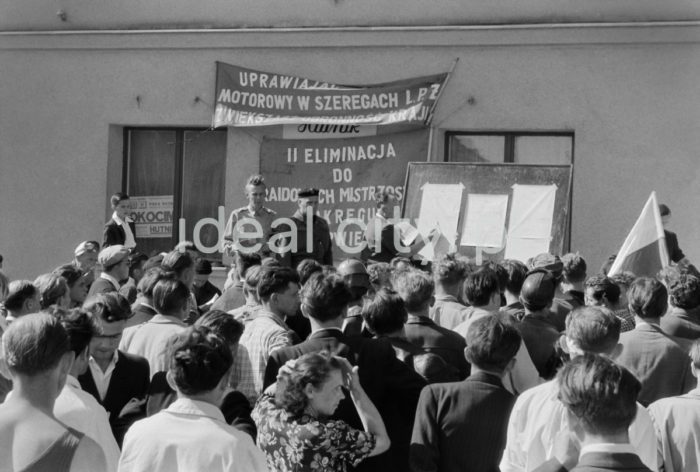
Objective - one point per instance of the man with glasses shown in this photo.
(118, 381)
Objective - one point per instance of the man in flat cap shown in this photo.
(560, 308)
(115, 268)
(250, 225)
(313, 237)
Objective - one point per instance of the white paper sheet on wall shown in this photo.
(485, 220)
(439, 209)
(530, 224)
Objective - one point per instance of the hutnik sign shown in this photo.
(246, 97)
(348, 172)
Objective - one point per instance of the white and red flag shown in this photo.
(644, 252)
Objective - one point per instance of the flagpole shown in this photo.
(429, 119)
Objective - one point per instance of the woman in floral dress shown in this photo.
(294, 428)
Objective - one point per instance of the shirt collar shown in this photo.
(115, 282)
(418, 319)
(113, 362)
(446, 298)
(119, 220)
(254, 212)
(166, 319)
(72, 382)
(327, 329)
(694, 393)
(266, 314)
(609, 448)
(646, 324)
(188, 406)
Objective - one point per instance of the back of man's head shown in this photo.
(685, 292)
(275, 279)
(492, 342)
(109, 307)
(19, 292)
(252, 280)
(448, 271)
(384, 313)
(306, 268)
(52, 288)
(602, 290)
(500, 272)
(148, 282)
(80, 326)
(573, 267)
(480, 286)
(170, 296)
(325, 297)
(516, 272)
(593, 329)
(601, 393)
(538, 289)
(222, 324)
(243, 261)
(34, 344)
(415, 289)
(623, 280)
(199, 359)
(379, 275)
(648, 298)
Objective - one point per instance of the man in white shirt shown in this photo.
(601, 401)
(191, 434)
(538, 416)
(75, 407)
(677, 421)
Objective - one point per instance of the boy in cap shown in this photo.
(560, 307)
(536, 327)
(115, 268)
(309, 228)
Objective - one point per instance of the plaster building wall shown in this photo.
(628, 92)
(146, 14)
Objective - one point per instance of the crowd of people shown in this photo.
(118, 361)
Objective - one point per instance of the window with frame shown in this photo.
(173, 173)
(497, 147)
